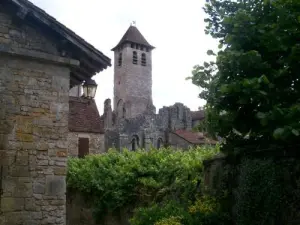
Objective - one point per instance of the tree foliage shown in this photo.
(253, 89)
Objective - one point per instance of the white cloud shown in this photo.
(175, 28)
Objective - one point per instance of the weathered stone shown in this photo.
(30, 204)
(38, 188)
(20, 171)
(60, 171)
(22, 158)
(22, 189)
(12, 204)
(55, 185)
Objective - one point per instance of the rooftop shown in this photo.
(91, 60)
(84, 116)
(133, 35)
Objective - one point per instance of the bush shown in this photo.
(115, 180)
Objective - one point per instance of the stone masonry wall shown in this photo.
(33, 126)
(133, 82)
(96, 142)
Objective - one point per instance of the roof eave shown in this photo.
(69, 35)
(127, 41)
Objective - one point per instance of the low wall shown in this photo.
(79, 212)
(231, 174)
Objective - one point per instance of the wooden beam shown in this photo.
(79, 76)
(95, 68)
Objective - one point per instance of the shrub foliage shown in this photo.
(115, 180)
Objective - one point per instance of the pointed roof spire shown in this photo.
(133, 35)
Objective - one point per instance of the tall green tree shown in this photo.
(252, 89)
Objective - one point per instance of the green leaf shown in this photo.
(210, 52)
(295, 132)
(278, 133)
(261, 115)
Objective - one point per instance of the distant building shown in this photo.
(133, 123)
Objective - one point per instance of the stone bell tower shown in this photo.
(132, 74)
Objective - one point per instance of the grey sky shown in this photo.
(174, 27)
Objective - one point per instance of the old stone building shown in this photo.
(40, 59)
(133, 123)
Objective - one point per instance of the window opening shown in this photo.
(144, 62)
(134, 58)
(120, 59)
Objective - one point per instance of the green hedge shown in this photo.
(115, 180)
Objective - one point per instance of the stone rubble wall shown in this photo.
(33, 126)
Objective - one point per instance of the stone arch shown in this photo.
(135, 142)
(160, 143)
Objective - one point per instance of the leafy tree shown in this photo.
(252, 89)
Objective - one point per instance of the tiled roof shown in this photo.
(133, 35)
(197, 115)
(84, 116)
(193, 137)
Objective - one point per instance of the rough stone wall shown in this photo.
(79, 212)
(96, 143)
(33, 126)
(177, 142)
(146, 128)
(132, 82)
(21, 37)
(179, 117)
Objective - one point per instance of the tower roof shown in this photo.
(133, 35)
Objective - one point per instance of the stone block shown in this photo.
(24, 137)
(11, 204)
(55, 185)
(30, 204)
(22, 189)
(58, 152)
(20, 171)
(22, 158)
(38, 188)
(60, 171)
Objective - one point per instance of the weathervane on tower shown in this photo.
(133, 23)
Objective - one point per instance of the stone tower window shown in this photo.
(144, 62)
(120, 59)
(132, 45)
(134, 57)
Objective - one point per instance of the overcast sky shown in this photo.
(174, 27)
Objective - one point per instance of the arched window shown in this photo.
(120, 59)
(134, 143)
(159, 143)
(132, 45)
(144, 62)
(134, 57)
